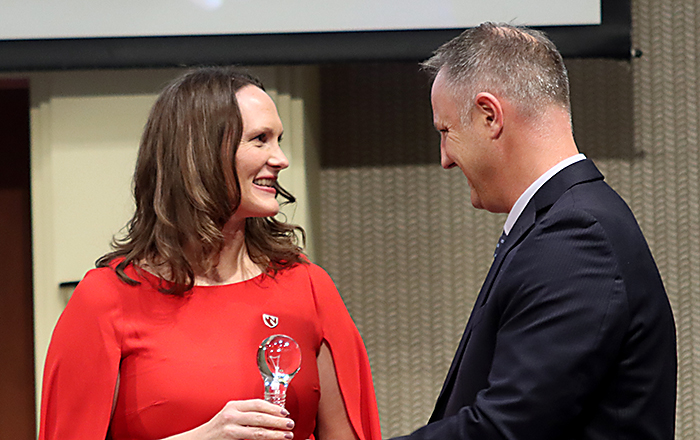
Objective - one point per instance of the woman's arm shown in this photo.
(332, 422)
(350, 384)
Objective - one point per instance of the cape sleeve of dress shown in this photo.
(349, 356)
(82, 363)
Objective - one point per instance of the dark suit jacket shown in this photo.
(572, 335)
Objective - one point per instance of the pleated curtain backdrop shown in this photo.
(409, 253)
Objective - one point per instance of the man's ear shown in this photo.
(490, 112)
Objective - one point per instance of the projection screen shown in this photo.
(40, 34)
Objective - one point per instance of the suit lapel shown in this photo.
(525, 222)
(540, 203)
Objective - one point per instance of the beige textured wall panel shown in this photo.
(665, 184)
(408, 254)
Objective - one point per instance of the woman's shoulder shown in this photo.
(317, 278)
(306, 270)
(101, 287)
(99, 278)
(106, 276)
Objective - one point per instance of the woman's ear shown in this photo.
(489, 110)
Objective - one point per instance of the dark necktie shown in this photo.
(501, 240)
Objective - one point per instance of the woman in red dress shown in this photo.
(160, 340)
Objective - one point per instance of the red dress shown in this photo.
(180, 359)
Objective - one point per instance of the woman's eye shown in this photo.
(260, 138)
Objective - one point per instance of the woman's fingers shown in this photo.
(255, 416)
(259, 405)
(256, 420)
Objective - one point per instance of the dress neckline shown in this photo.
(155, 279)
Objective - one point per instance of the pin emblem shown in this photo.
(270, 321)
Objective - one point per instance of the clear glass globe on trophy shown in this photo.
(279, 359)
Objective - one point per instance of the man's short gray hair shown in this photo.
(511, 62)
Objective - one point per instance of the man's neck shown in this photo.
(525, 197)
(536, 146)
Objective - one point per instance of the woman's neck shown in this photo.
(234, 263)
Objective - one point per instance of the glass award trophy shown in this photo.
(279, 359)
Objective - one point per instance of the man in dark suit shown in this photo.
(572, 335)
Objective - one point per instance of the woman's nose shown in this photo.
(278, 159)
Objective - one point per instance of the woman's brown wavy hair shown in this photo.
(186, 187)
